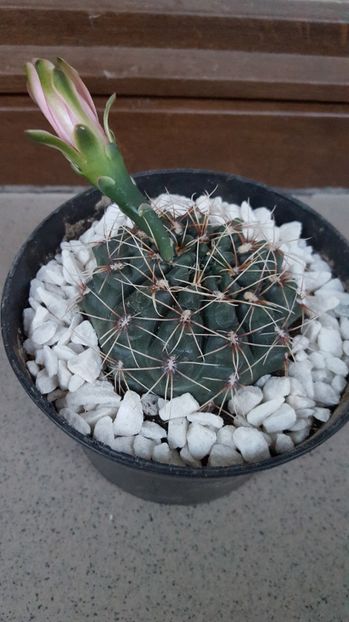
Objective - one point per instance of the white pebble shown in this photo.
(301, 355)
(109, 224)
(297, 388)
(129, 419)
(55, 395)
(252, 444)
(163, 454)
(35, 284)
(41, 315)
(246, 212)
(322, 414)
(74, 321)
(321, 304)
(75, 383)
(337, 366)
(329, 321)
(87, 365)
(33, 368)
(39, 356)
(283, 443)
(177, 432)
(245, 399)
(59, 307)
(317, 360)
(84, 255)
(329, 340)
(346, 347)
(71, 268)
(85, 334)
(200, 440)
(281, 420)
(304, 413)
(153, 430)
(150, 404)
(63, 352)
(44, 383)
(161, 403)
(257, 415)
(64, 375)
(339, 383)
(206, 418)
(44, 332)
(104, 431)
(300, 424)
(312, 329)
(290, 231)
(180, 406)
(300, 436)
(28, 315)
(124, 444)
(50, 361)
(276, 387)
(51, 273)
(344, 327)
(263, 380)
(302, 371)
(33, 303)
(299, 343)
(75, 421)
(95, 414)
(76, 347)
(299, 401)
(324, 375)
(239, 421)
(314, 280)
(143, 447)
(325, 394)
(332, 285)
(101, 392)
(188, 458)
(225, 435)
(222, 455)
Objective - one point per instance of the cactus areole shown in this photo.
(179, 305)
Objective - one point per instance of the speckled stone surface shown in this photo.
(73, 548)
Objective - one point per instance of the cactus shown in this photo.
(177, 303)
(220, 315)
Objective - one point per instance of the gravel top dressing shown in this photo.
(253, 421)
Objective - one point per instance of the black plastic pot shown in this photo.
(150, 480)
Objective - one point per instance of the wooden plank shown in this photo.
(289, 9)
(200, 73)
(320, 28)
(286, 144)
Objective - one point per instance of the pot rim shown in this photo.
(15, 358)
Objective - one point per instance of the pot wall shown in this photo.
(153, 481)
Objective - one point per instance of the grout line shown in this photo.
(29, 189)
(41, 189)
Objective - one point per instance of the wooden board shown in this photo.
(256, 87)
(285, 144)
(286, 26)
(200, 73)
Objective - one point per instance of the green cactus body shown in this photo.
(219, 316)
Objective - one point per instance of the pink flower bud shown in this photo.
(63, 99)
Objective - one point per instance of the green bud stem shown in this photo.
(132, 202)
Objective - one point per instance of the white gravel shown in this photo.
(269, 418)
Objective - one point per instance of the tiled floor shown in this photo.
(75, 548)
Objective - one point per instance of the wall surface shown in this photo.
(256, 88)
